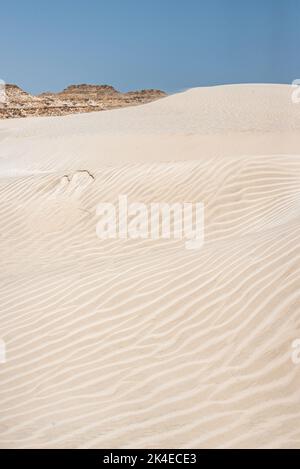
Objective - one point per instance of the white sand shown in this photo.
(115, 343)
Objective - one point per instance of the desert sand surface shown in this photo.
(142, 343)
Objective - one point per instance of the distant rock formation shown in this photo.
(73, 99)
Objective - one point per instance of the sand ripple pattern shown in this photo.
(141, 343)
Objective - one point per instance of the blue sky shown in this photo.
(131, 44)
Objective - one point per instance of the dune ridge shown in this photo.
(142, 343)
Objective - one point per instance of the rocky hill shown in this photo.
(73, 99)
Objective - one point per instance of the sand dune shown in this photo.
(142, 343)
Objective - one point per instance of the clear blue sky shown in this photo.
(130, 44)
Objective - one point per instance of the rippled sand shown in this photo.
(141, 343)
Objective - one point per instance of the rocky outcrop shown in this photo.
(73, 99)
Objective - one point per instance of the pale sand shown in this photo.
(143, 343)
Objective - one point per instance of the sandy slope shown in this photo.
(143, 343)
